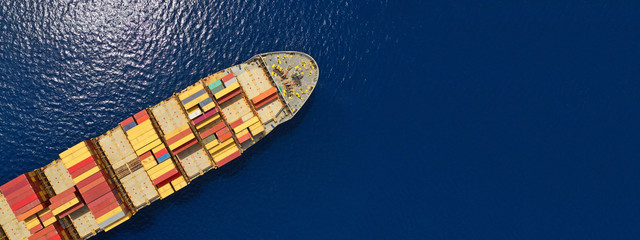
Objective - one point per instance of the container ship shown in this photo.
(100, 183)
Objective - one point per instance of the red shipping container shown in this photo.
(219, 126)
(62, 198)
(89, 180)
(145, 155)
(19, 194)
(27, 207)
(179, 136)
(143, 119)
(225, 136)
(265, 101)
(47, 216)
(229, 95)
(228, 159)
(51, 232)
(82, 163)
(227, 77)
(25, 201)
(244, 138)
(213, 129)
(83, 169)
(158, 154)
(14, 184)
(29, 213)
(70, 210)
(126, 121)
(168, 180)
(35, 229)
(236, 123)
(222, 132)
(96, 192)
(55, 237)
(185, 146)
(207, 133)
(165, 176)
(102, 202)
(108, 206)
(205, 116)
(91, 185)
(141, 116)
(263, 95)
(43, 233)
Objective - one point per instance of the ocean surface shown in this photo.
(431, 119)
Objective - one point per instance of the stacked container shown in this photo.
(261, 92)
(13, 228)
(65, 203)
(154, 157)
(204, 115)
(84, 222)
(62, 183)
(25, 199)
(94, 185)
(235, 109)
(53, 231)
(127, 167)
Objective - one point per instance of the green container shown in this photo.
(217, 89)
(215, 84)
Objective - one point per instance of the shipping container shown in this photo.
(58, 176)
(175, 124)
(123, 158)
(100, 183)
(84, 222)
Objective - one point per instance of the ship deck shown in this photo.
(100, 183)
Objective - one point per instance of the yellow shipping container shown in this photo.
(148, 163)
(165, 191)
(158, 148)
(32, 221)
(86, 174)
(225, 153)
(65, 206)
(223, 92)
(160, 171)
(195, 102)
(45, 221)
(190, 91)
(145, 137)
(212, 144)
(242, 133)
(182, 141)
(160, 167)
(225, 144)
(110, 214)
(192, 109)
(144, 142)
(49, 221)
(178, 183)
(207, 121)
(148, 147)
(73, 149)
(256, 128)
(176, 131)
(75, 158)
(140, 129)
(246, 124)
(115, 224)
(208, 107)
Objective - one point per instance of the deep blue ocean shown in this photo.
(431, 119)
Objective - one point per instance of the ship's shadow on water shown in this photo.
(145, 218)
